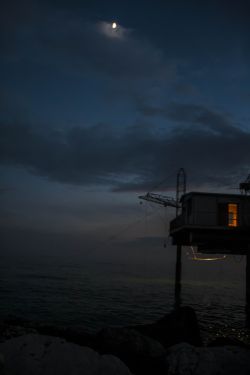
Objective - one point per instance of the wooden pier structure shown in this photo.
(215, 223)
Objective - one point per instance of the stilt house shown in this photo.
(215, 223)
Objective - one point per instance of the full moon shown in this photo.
(114, 25)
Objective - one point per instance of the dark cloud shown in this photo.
(186, 90)
(214, 151)
(192, 114)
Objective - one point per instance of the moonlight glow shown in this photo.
(114, 25)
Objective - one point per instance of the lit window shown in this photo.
(232, 210)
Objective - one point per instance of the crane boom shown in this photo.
(160, 199)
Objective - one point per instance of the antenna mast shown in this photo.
(181, 184)
(245, 186)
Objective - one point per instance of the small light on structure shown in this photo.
(114, 25)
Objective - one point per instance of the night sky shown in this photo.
(92, 116)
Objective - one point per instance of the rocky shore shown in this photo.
(169, 346)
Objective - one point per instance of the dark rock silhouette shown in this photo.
(14, 327)
(141, 354)
(80, 336)
(181, 325)
(172, 346)
(35, 354)
(142, 347)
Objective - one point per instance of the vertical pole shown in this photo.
(248, 287)
(181, 183)
(178, 278)
(180, 188)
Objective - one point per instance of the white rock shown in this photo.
(44, 355)
(185, 359)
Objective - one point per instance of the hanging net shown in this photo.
(194, 255)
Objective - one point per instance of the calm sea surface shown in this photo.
(65, 291)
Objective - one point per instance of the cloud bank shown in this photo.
(205, 142)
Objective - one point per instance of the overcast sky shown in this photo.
(92, 116)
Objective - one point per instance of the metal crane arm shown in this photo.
(160, 199)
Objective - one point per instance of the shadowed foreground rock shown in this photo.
(143, 355)
(180, 325)
(44, 355)
(185, 359)
(146, 350)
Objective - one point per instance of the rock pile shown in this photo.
(45, 355)
(170, 346)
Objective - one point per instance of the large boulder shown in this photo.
(45, 355)
(17, 328)
(181, 325)
(13, 327)
(185, 359)
(141, 354)
(76, 335)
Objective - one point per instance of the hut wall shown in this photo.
(203, 210)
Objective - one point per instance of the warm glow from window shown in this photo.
(232, 215)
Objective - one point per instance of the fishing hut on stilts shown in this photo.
(214, 223)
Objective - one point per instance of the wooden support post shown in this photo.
(248, 287)
(178, 278)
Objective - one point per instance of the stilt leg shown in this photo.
(248, 288)
(178, 278)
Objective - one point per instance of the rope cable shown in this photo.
(161, 182)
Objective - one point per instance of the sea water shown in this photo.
(70, 291)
